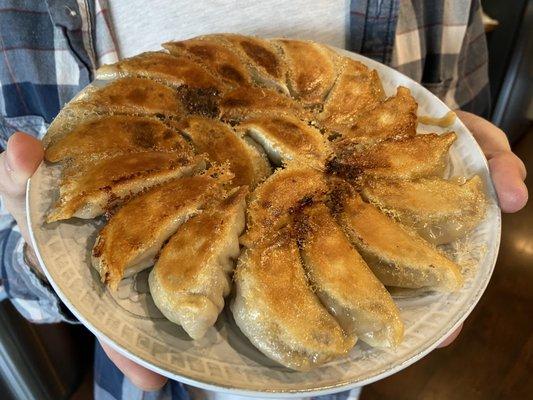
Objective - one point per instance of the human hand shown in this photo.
(506, 169)
(23, 155)
(141, 377)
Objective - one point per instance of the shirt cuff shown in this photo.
(31, 296)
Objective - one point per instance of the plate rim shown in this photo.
(322, 390)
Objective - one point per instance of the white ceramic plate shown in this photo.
(225, 360)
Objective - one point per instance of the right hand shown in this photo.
(23, 155)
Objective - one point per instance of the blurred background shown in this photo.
(491, 359)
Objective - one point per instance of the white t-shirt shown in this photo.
(142, 25)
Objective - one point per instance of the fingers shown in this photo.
(508, 174)
(507, 170)
(490, 138)
(141, 377)
(18, 163)
(451, 338)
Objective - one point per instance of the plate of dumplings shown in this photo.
(263, 217)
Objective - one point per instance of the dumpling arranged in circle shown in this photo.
(276, 167)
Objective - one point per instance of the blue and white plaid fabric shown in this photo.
(50, 49)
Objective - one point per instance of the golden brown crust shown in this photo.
(396, 255)
(89, 189)
(263, 57)
(214, 56)
(312, 69)
(285, 138)
(110, 135)
(397, 158)
(135, 96)
(440, 210)
(158, 65)
(395, 117)
(218, 140)
(357, 90)
(191, 276)
(279, 313)
(343, 281)
(282, 193)
(244, 101)
(128, 241)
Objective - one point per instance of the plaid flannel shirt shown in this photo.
(50, 50)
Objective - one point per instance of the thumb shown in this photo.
(23, 155)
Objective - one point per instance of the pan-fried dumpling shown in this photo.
(191, 276)
(247, 161)
(396, 255)
(441, 211)
(133, 96)
(356, 91)
(398, 158)
(262, 57)
(111, 135)
(128, 244)
(158, 65)
(277, 310)
(343, 281)
(245, 101)
(215, 56)
(312, 69)
(282, 193)
(89, 189)
(395, 117)
(286, 138)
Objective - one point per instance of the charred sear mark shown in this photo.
(302, 228)
(263, 57)
(204, 102)
(203, 52)
(143, 135)
(233, 102)
(338, 166)
(230, 73)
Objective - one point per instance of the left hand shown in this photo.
(506, 169)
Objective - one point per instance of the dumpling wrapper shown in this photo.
(132, 96)
(398, 256)
(191, 276)
(344, 283)
(247, 161)
(357, 90)
(246, 101)
(158, 65)
(286, 138)
(440, 211)
(272, 202)
(111, 135)
(89, 189)
(133, 236)
(397, 158)
(213, 55)
(312, 69)
(395, 117)
(263, 59)
(279, 313)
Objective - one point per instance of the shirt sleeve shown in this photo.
(445, 49)
(472, 92)
(32, 297)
